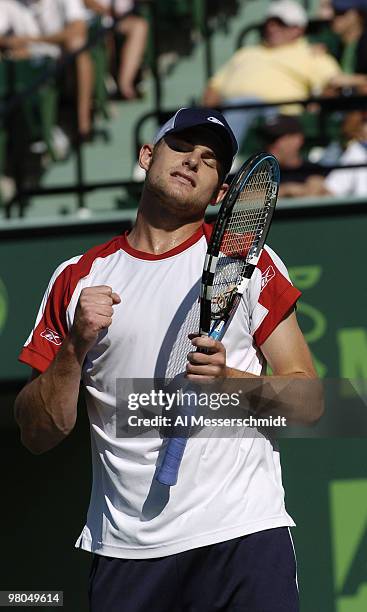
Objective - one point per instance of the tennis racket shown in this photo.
(234, 250)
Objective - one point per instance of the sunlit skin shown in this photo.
(184, 176)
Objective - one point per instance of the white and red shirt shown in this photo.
(227, 487)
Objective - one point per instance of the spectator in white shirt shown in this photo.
(347, 181)
(63, 23)
(16, 24)
(351, 181)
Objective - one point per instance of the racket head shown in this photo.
(238, 236)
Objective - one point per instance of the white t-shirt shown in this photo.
(18, 20)
(227, 487)
(121, 7)
(15, 19)
(53, 16)
(351, 181)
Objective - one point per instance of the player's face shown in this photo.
(184, 171)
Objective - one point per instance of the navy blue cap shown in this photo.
(347, 5)
(186, 118)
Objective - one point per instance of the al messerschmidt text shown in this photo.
(201, 421)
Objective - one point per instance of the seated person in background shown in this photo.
(17, 24)
(135, 31)
(284, 66)
(319, 31)
(341, 182)
(350, 23)
(348, 181)
(63, 23)
(283, 137)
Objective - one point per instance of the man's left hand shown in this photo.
(211, 365)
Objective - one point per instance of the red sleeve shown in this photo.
(277, 297)
(208, 230)
(51, 326)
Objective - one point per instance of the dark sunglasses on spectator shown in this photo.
(340, 12)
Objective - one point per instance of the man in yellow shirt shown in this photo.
(284, 66)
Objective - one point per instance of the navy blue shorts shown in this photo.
(254, 573)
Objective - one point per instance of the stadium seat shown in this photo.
(100, 62)
(40, 107)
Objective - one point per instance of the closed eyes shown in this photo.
(184, 146)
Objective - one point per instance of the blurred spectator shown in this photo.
(325, 10)
(135, 31)
(17, 27)
(17, 24)
(320, 33)
(349, 181)
(350, 23)
(284, 66)
(63, 23)
(283, 137)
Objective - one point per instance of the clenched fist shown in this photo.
(93, 313)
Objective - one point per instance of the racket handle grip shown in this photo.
(168, 471)
(217, 330)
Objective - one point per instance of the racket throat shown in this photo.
(217, 329)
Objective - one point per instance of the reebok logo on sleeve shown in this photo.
(51, 336)
(266, 277)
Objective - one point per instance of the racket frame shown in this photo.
(167, 473)
(212, 256)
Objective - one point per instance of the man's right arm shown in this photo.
(46, 408)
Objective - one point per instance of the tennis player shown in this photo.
(219, 539)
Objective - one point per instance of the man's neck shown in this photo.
(161, 234)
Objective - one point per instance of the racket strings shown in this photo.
(182, 345)
(242, 235)
(241, 238)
